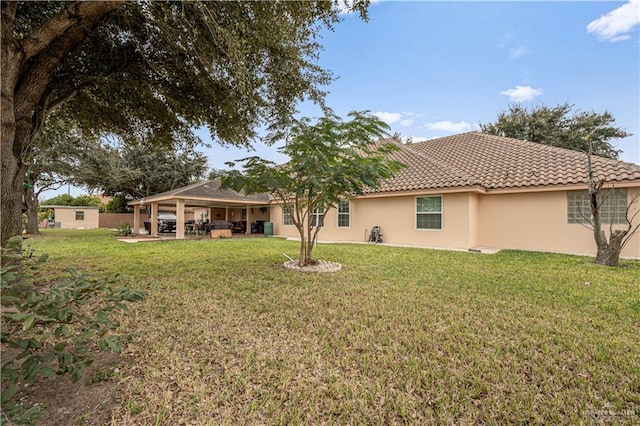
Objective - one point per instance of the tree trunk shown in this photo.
(608, 258)
(31, 201)
(609, 254)
(303, 246)
(308, 260)
(28, 66)
(10, 170)
(11, 195)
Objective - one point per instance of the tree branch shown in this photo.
(631, 231)
(57, 26)
(8, 19)
(62, 100)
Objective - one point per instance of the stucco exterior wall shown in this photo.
(234, 213)
(527, 221)
(538, 221)
(397, 217)
(634, 245)
(253, 214)
(67, 217)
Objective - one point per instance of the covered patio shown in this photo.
(207, 202)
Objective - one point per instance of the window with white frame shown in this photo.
(79, 215)
(344, 214)
(429, 212)
(286, 217)
(317, 217)
(613, 206)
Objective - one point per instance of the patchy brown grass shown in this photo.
(228, 336)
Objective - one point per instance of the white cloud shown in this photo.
(522, 93)
(518, 52)
(388, 117)
(415, 139)
(615, 25)
(407, 122)
(450, 126)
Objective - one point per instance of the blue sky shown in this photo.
(434, 69)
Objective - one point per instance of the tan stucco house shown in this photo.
(74, 217)
(478, 191)
(467, 191)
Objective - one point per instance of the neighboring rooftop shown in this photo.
(496, 162)
(55, 206)
(205, 190)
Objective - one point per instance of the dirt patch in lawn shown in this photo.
(90, 401)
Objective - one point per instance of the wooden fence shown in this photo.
(113, 220)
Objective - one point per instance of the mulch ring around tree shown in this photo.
(321, 266)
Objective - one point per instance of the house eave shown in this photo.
(171, 200)
(563, 187)
(477, 189)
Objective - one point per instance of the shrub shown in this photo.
(52, 328)
(123, 230)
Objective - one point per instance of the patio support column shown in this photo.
(154, 219)
(248, 231)
(136, 219)
(226, 213)
(179, 219)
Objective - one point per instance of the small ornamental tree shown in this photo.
(330, 161)
(608, 250)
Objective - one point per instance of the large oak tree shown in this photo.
(560, 126)
(137, 170)
(144, 69)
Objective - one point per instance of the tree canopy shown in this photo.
(49, 164)
(329, 161)
(136, 170)
(70, 200)
(559, 126)
(145, 70)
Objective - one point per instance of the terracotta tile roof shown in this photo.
(495, 162)
(421, 172)
(212, 189)
(209, 189)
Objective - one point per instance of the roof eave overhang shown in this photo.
(49, 206)
(477, 189)
(564, 187)
(172, 199)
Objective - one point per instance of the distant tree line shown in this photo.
(561, 126)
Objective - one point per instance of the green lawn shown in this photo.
(400, 335)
